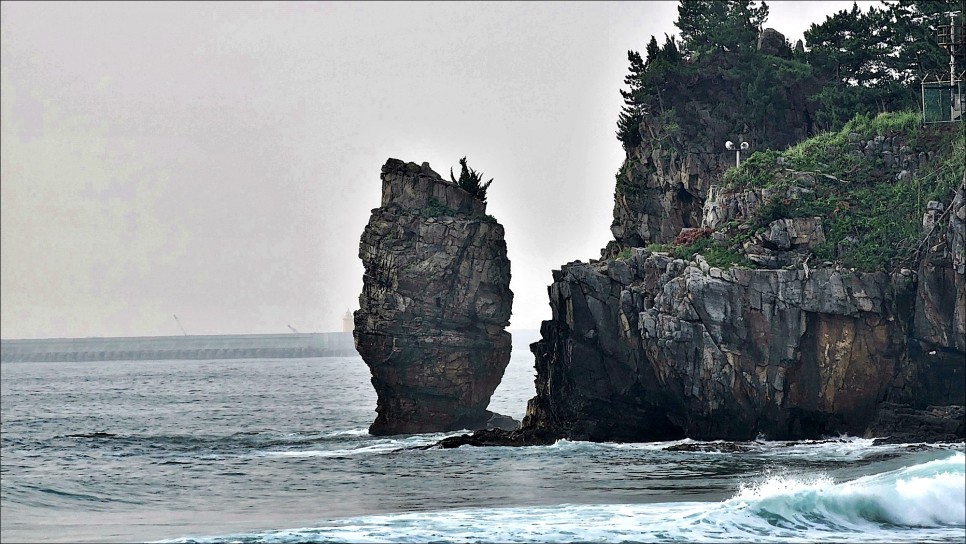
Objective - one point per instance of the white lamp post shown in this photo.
(742, 147)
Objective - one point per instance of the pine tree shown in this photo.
(471, 181)
(875, 59)
(722, 25)
(647, 80)
(629, 120)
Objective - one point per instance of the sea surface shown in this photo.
(277, 451)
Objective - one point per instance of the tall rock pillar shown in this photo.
(434, 306)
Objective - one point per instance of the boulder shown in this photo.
(772, 42)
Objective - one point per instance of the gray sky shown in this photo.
(219, 161)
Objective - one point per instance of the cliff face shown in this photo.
(665, 180)
(655, 348)
(938, 329)
(794, 342)
(795, 297)
(648, 347)
(434, 304)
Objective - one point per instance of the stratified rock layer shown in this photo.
(434, 305)
(647, 347)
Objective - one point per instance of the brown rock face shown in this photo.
(647, 347)
(434, 305)
(653, 348)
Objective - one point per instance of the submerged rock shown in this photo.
(434, 306)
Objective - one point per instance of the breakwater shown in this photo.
(144, 348)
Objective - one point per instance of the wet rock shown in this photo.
(713, 447)
(496, 437)
(502, 422)
(902, 423)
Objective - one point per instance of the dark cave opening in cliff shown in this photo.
(687, 201)
(683, 196)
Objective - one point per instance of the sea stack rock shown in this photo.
(434, 306)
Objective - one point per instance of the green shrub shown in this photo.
(485, 217)
(471, 181)
(717, 254)
(872, 220)
(438, 209)
(624, 254)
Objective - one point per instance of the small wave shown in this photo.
(374, 449)
(371, 447)
(912, 504)
(349, 432)
(844, 448)
(58, 498)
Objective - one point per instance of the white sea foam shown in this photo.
(926, 501)
(362, 431)
(377, 446)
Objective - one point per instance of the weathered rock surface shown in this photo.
(648, 347)
(772, 42)
(654, 348)
(900, 424)
(664, 182)
(938, 328)
(434, 306)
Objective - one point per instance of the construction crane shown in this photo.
(178, 321)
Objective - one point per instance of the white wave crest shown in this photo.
(929, 494)
(912, 504)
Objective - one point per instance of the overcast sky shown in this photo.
(219, 161)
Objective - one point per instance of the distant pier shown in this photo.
(147, 348)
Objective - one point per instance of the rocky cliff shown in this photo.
(434, 304)
(650, 347)
(729, 333)
(647, 346)
(817, 290)
(665, 179)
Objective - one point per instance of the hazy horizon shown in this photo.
(218, 161)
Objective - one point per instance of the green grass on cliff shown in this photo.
(438, 209)
(872, 217)
(719, 254)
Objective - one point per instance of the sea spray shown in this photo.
(923, 501)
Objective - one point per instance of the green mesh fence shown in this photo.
(938, 100)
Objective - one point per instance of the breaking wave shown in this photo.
(923, 501)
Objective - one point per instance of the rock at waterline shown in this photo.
(434, 306)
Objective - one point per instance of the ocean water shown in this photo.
(277, 451)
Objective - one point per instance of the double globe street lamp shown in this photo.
(729, 145)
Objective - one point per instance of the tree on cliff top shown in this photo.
(857, 63)
(874, 60)
(666, 76)
(647, 80)
(723, 25)
(471, 181)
